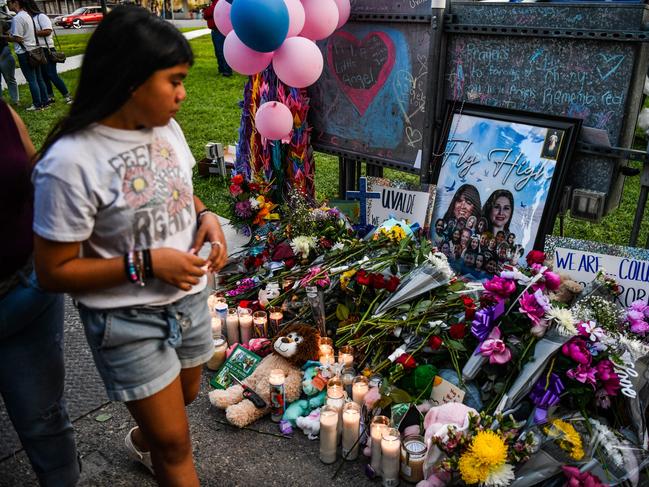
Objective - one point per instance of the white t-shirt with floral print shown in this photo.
(115, 191)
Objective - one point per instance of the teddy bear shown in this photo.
(567, 291)
(292, 347)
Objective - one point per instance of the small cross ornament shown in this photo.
(362, 195)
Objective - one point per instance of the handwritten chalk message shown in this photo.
(402, 204)
(631, 272)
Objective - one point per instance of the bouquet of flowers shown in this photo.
(250, 203)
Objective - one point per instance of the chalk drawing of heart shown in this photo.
(360, 66)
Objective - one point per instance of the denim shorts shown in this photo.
(140, 350)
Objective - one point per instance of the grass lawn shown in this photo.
(211, 113)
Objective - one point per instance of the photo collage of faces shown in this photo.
(476, 238)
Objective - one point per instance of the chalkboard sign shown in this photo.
(577, 78)
(402, 7)
(370, 100)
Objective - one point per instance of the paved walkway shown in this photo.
(74, 62)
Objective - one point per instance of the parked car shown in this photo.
(80, 17)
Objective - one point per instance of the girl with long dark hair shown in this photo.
(119, 228)
(499, 210)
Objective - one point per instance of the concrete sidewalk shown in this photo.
(74, 62)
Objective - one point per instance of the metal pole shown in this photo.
(642, 202)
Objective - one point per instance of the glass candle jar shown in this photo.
(276, 381)
(347, 377)
(220, 347)
(260, 324)
(275, 317)
(378, 425)
(232, 325)
(413, 454)
(245, 325)
(328, 434)
(351, 430)
(325, 347)
(221, 307)
(217, 325)
(390, 457)
(346, 356)
(360, 386)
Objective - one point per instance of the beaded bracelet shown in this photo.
(129, 265)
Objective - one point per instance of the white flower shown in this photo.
(565, 322)
(302, 245)
(440, 262)
(501, 476)
(595, 333)
(338, 246)
(254, 204)
(605, 438)
(516, 275)
(635, 347)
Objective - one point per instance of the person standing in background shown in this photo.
(24, 39)
(217, 39)
(7, 62)
(31, 323)
(45, 31)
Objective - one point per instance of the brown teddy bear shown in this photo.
(292, 348)
(568, 290)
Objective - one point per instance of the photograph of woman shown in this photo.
(499, 210)
(465, 203)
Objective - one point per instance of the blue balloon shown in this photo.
(261, 25)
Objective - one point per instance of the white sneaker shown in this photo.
(144, 457)
(68, 100)
(32, 108)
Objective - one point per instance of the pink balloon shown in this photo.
(274, 120)
(295, 17)
(344, 9)
(243, 59)
(298, 62)
(321, 19)
(222, 17)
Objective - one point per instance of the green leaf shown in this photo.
(456, 286)
(384, 402)
(102, 418)
(399, 395)
(422, 306)
(342, 312)
(456, 345)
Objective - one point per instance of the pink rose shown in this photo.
(499, 287)
(534, 306)
(584, 374)
(608, 377)
(576, 350)
(552, 280)
(494, 348)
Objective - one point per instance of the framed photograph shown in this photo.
(241, 363)
(499, 174)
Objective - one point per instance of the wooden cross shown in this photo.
(362, 195)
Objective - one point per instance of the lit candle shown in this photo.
(328, 434)
(217, 325)
(413, 454)
(220, 347)
(277, 397)
(245, 325)
(232, 325)
(275, 316)
(360, 386)
(347, 377)
(346, 356)
(260, 322)
(351, 430)
(326, 347)
(336, 399)
(390, 455)
(378, 425)
(327, 359)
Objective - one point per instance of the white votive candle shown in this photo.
(232, 325)
(220, 347)
(277, 396)
(360, 386)
(351, 430)
(390, 456)
(217, 326)
(378, 425)
(245, 325)
(346, 356)
(328, 434)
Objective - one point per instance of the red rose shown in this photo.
(253, 187)
(457, 331)
(469, 308)
(435, 342)
(377, 281)
(282, 252)
(392, 284)
(325, 243)
(289, 263)
(235, 190)
(363, 278)
(407, 361)
(535, 257)
(237, 179)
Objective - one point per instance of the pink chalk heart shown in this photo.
(360, 66)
